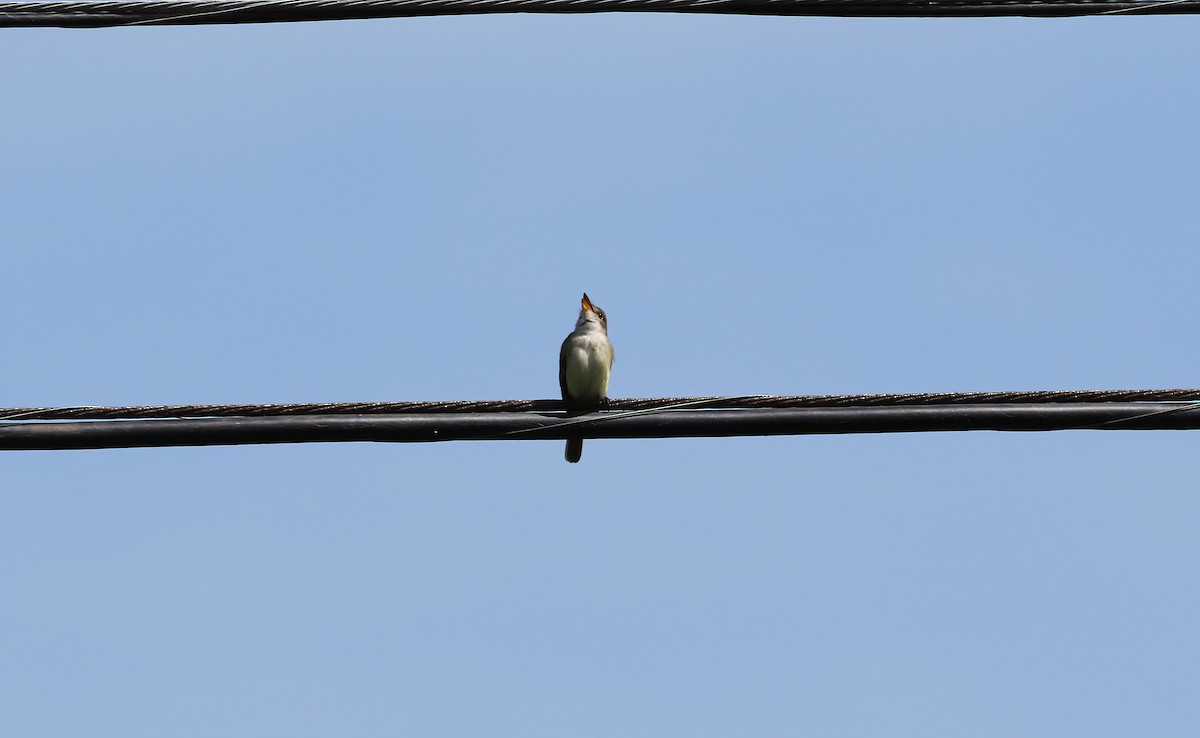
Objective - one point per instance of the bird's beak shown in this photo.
(587, 304)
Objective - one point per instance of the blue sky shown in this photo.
(409, 209)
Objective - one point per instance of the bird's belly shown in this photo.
(587, 373)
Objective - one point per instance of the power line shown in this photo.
(105, 13)
(134, 412)
(661, 418)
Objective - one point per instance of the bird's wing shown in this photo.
(562, 367)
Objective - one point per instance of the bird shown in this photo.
(584, 364)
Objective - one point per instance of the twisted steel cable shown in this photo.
(199, 12)
(759, 402)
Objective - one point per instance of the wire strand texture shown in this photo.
(752, 415)
(53, 13)
(137, 412)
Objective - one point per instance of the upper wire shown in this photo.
(110, 13)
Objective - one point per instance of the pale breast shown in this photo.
(587, 367)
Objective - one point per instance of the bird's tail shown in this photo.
(574, 450)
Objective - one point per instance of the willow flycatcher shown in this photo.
(584, 363)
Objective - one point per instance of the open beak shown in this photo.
(587, 304)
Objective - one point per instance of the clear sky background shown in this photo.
(410, 209)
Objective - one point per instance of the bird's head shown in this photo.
(589, 313)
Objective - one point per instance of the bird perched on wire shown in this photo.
(584, 364)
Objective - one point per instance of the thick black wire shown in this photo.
(200, 12)
(131, 412)
(427, 427)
